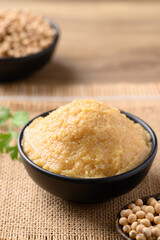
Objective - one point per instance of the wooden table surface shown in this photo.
(109, 50)
(103, 45)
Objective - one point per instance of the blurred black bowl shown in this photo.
(91, 189)
(16, 68)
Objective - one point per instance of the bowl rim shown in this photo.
(119, 227)
(114, 178)
(54, 26)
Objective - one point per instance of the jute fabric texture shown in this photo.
(29, 212)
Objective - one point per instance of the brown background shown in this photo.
(101, 43)
(109, 50)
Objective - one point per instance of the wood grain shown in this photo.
(101, 43)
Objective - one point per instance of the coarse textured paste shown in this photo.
(86, 139)
(29, 212)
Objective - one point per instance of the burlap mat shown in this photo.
(28, 212)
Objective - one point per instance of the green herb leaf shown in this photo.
(14, 134)
(20, 118)
(4, 115)
(5, 140)
(13, 152)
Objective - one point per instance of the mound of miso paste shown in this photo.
(86, 139)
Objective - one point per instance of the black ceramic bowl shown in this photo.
(93, 189)
(16, 68)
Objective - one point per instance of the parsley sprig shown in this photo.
(14, 121)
